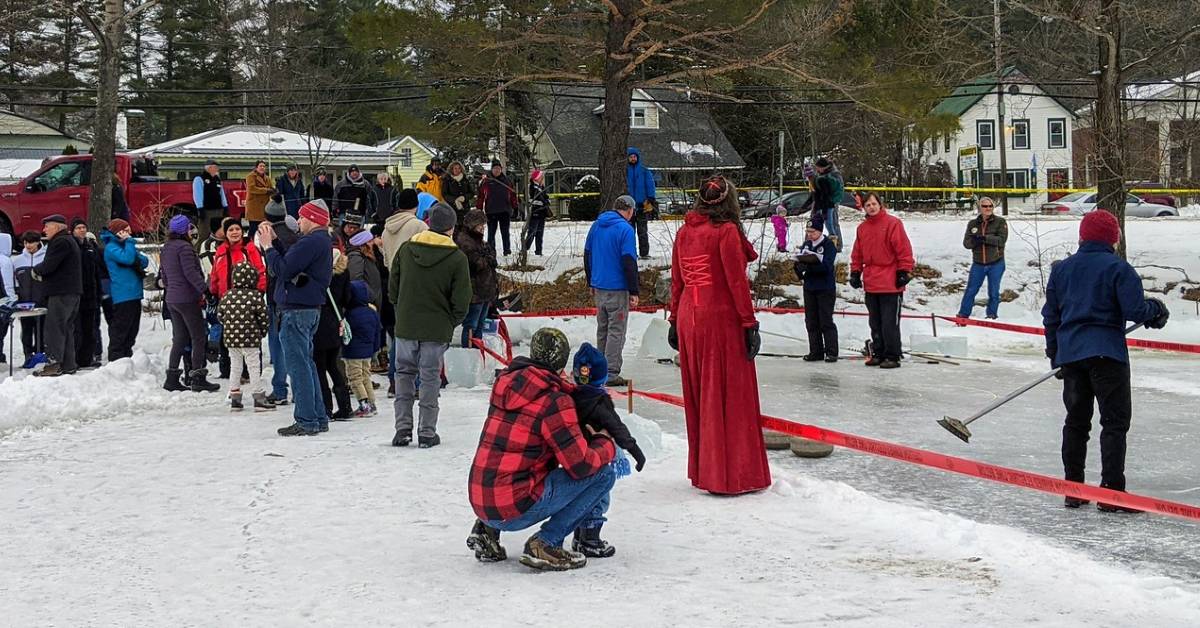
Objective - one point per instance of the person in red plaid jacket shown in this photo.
(535, 463)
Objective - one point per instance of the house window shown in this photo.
(1057, 132)
(946, 144)
(1020, 135)
(638, 121)
(406, 158)
(1016, 179)
(985, 134)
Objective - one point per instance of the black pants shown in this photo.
(502, 221)
(535, 229)
(187, 330)
(33, 335)
(329, 368)
(85, 334)
(123, 328)
(641, 223)
(884, 311)
(1087, 382)
(818, 320)
(61, 319)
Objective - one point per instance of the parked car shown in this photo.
(63, 186)
(674, 201)
(757, 203)
(1080, 203)
(1160, 198)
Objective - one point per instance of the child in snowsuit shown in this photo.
(594, 408)
(366, 333)
(779, 220)
(243, 316)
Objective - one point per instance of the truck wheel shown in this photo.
(1164, 214)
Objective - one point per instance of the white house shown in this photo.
(1037, 137)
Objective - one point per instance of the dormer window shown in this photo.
(640, 119)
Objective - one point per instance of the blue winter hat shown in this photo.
(179, 225)
(591, 367)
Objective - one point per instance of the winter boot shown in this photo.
(235, 402)
(277, 401)
(345, 410)
(432, 441)
(831, 359)
(261, 404)
(295, 429)
(401, 439)
(541, 555)
(889, 364)
(873, 361)
(812, 357)
(54, 369)
(172, 384)
(1074, 502)
(616, 381)
(587, 541)
(363, 411)
(200, 382)
(485, 540)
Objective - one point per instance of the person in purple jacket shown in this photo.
(183, 281)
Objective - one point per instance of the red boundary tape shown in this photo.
(954, 464)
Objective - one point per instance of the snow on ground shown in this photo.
(125, 505)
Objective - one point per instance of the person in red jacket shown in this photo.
(882, 264)
(714, 329)
(534, 463)
(234, 251)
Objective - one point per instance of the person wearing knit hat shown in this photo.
(429, 285)
(1090, 297)
(406, 200)
(126, 270)
(286, 230)
(539, 212)
(497, 197)
(181, 274)
(179, 225)
(533, 438)
(814, 266)
(275, 210)
(302, 274)
(361, 238)
(485, 283)
(87, 328)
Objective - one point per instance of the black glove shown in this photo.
(753, 341)
(856, 280)
(1160, 319)
(210, 299)
(902, 278)
(673, 337)
(638, 456)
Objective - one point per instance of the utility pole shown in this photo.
(245, 108)
(1001, 135)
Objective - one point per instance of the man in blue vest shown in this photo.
(1089, 297)
(639, 182)
(209, 197)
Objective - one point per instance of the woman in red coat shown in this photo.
(882, 264)
(234, 251)
(714, 329)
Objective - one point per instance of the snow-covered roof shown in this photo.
(17, 169)
(394, 143)
(260, 142)
(1160, 89)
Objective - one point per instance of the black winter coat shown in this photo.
(61, 271)
(595, 408)
(485, 284)
(328, 337)
(90, 263)
(452, 189)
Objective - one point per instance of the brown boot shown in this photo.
(541, 555)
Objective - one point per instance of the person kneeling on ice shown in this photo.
(244, 323)
(535, 463)
(1089, 297)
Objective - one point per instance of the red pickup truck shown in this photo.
(63, 186)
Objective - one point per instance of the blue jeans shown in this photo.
(295, 336)
(993, 273)
(832, 227)
(279, 388)
(473, 324)
(566, 504)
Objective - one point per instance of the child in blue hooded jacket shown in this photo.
(366, 332)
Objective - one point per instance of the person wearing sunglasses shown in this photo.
(985, 237)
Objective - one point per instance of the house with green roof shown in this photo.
(1037, 137)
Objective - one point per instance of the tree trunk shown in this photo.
(1110, 140)
(618, 95)
(104, 144)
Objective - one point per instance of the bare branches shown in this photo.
(1163, 49)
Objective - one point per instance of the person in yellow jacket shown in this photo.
(431, 181)
(259, 189)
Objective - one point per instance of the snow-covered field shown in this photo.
(125, 505)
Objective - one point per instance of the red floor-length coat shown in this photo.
(711, 308)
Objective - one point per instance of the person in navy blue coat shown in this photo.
(1089, 298)
(639, 181)
(820, 292)
(366, 340)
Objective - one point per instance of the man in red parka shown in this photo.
(882, 263)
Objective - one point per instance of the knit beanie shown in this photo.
(230, 222)
(75, 222)
(441, 218)
(550, 347)
(591, 368)
(474, 218)
(407, 200)
(116, 225)
(179, 225)
(316, 211)
(361, 238)
(1099, 226)
(275, 209)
